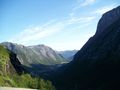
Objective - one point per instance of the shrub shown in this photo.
(26, 81)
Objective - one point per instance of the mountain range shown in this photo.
(68, 54)
(37, 54)
(36, 60)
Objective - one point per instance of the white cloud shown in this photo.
(104, 9)
(71, 14)
(36, 33)
(87, 2)
(83, 3)
(84, 20)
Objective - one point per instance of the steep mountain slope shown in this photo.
(97, 64)
(68, 54)
(48, 54)
(5, 62)
(9, 64)
(38, 54)
(11, 73)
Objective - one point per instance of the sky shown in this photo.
(59, 24)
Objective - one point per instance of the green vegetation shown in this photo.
(4, 59)
(25, 81)
(10, 79)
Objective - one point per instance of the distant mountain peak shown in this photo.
(38, 45)
(68, 54)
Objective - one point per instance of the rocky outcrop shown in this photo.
(97, 64)
(16, 64)
(108, 19)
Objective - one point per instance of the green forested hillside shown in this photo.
(25, 81)
(10, 78)
(4, 56)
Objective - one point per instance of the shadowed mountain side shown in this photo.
(41, 70)
(16, 64)
(96, 65)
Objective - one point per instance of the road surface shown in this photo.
(11, 88)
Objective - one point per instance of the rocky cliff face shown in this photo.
(48, 53)
(97, 64)
(108, 19)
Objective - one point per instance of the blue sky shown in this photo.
(60, 24)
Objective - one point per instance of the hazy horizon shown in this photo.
(59, 24)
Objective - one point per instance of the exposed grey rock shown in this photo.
(39, 54)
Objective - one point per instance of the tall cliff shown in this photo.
(97, 64)
(108, 19)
